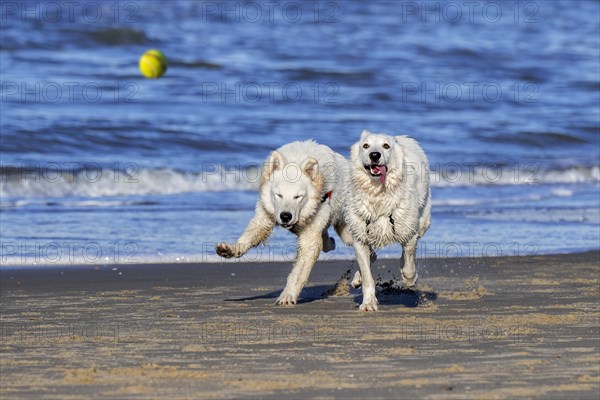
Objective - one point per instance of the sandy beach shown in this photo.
(115, 190)
(489, 328)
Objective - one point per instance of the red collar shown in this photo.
(326, 196)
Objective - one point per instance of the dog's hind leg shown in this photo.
(357, 280)
(372, 256)
(328, 242)
(408, 269)
(425, 219)
(343, 232)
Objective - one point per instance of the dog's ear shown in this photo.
(310, 168)
(275, 162)
(364, 133)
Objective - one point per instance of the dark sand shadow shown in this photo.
(393, 292)
(308, 294)
(387, 293)
(403, 296)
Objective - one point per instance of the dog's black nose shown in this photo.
(375, 156)
(285, 217)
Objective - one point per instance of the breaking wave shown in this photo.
(35, 183)
(24, 183)
(528, 174)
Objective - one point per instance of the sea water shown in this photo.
(102, 166)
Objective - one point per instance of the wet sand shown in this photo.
(493, 328)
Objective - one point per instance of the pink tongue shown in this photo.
(380, 169)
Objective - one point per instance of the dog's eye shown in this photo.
(365, 146)
(298, 197)
(386, 146)
(278, 195)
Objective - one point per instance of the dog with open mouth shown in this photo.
(387, 201)
(301, 190)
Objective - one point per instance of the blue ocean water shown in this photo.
(99, 165)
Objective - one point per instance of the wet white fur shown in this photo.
(295, 178)
(404, 196)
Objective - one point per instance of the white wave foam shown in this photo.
(106, 183)
(516, 175)
(562, 192)
(456, 202)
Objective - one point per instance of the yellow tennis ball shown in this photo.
(153, 64)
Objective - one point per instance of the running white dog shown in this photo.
(301, 190)
(387, 201)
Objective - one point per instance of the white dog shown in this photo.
(301, 190)
(387, 201)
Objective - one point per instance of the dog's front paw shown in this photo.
(286, 299)
(410, 282)
(226, 250)
(369, 302)
(370, 306)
